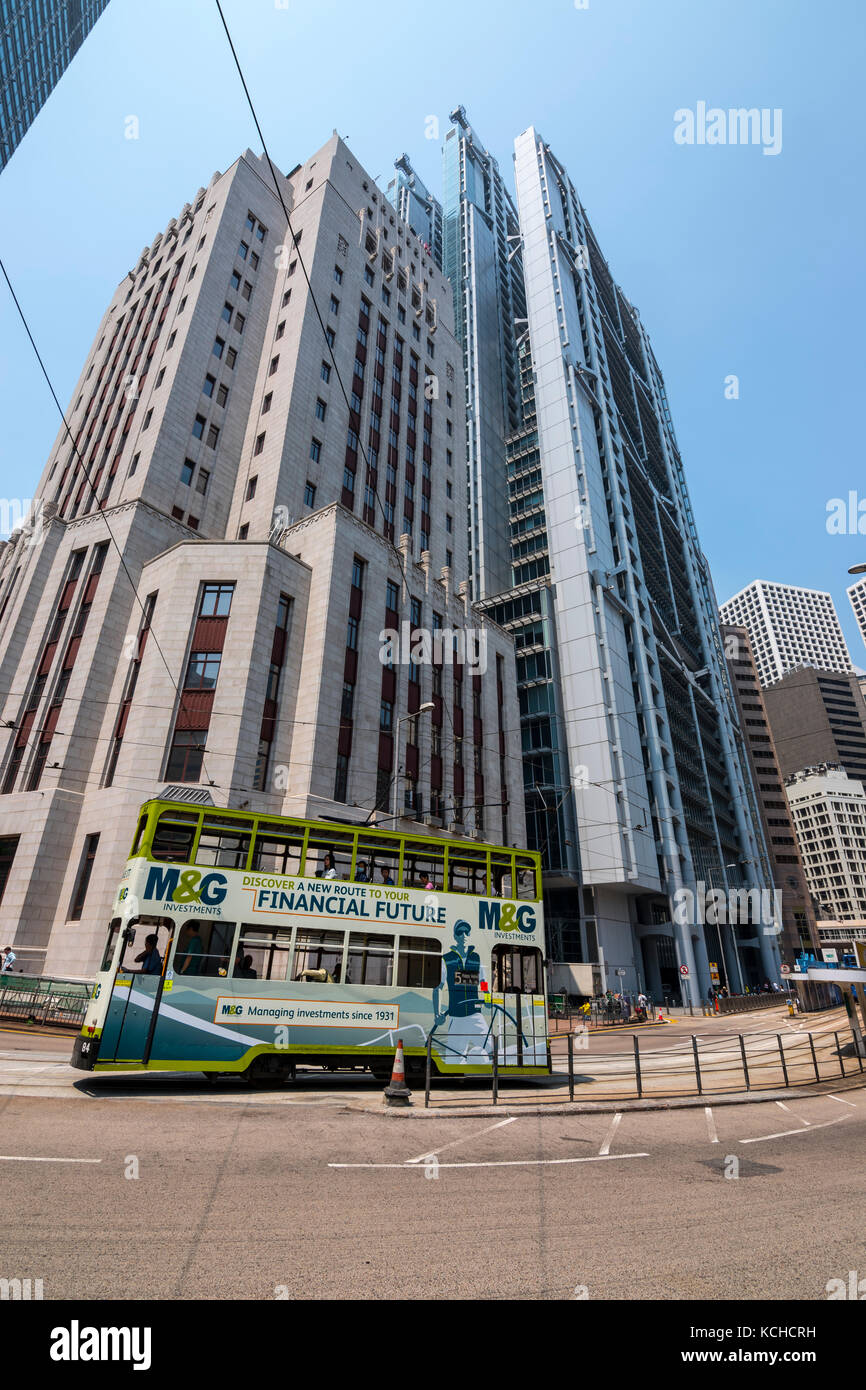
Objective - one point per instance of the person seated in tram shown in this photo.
(150, 957)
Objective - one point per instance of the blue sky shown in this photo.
(740, 263)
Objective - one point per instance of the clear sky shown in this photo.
(741, 263)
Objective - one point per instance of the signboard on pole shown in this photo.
(714, 971)
(684, 970)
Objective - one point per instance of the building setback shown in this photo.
(271, 531)
(38, 40)
(818, 717)
(799, 930)
(417, 207)
(857, 598)
(788, 627)
(829, 813)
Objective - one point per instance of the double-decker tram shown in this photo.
(247, 944)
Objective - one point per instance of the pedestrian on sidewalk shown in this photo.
(9, 959)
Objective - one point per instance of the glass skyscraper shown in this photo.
(38, 40)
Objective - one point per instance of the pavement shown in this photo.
(176, 1199)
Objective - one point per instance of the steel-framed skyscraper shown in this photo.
(38, 40)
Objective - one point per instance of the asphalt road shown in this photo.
(254, 1199)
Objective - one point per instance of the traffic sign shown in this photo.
(786, 969)
(684, 970)
(619, 971)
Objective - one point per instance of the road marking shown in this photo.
(785, 1132)
(604, 1151)
(25, 1158)
(844, 1102)
(464, 1140)
(714, 1138)
(782, 1106)
(502, 1163)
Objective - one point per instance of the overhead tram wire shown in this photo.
(88, 479)
(302, 264)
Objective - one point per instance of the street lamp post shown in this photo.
(422, 709)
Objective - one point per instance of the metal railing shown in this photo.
(691, 1067)
(33, 999)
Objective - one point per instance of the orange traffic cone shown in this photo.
(397, 1092)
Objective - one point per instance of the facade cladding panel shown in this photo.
(38, 40)
(225, 549)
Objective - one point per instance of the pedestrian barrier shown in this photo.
(33, 999)
(690, 1067)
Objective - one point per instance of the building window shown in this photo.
(202, 670)
(358, 567)
(231, 359)
(186, 755)
(247, 290)
(251, 488)
(331, 337)
(222, 395)
(227, 311)
(243, 532)
(187, 471)
(275, 362)
(198, 427)
(326, 371)
(310, 494)
(213, 435)
(218, 347)
(235, 281)
(216, 600)
(240, 323)
(368, 275)
(281, 328)
(259, 444)
(386, 716)
(209, 384)
(321, 409)
(352, 634)
(243, 250)
(338, 275)
(341, 778)
(315, 450)
(392, 596)
(266, 403)
(202, 481)
(91, 845)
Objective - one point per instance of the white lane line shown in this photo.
(783, 1134)
(711, 1126)
(782, 1106)
(844, 1102)
(25, 1158)
(503, 1163)
(464, 1140)
(604, 1151)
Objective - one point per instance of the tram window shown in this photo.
(501, 874)
(334, 843)
(517, 968)
(223, 844)
(318, 951)
(525, 876)
(138, 834)
(467, 872)
(423, 864)
(268, 953)
(380, 857)
(173, 837)
(110, 943)
(419, 962)
(203, 948)
(276, 852)
(371, 959)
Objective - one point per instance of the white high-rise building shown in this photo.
(829, 812)
(788, 627)
(857, 598)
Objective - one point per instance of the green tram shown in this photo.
(247, 944)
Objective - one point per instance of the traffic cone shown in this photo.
(397, 1092)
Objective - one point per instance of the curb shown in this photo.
(605, 1107)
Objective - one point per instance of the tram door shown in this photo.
(519, 1015)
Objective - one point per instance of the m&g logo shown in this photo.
(186, 886)
(506, 917)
